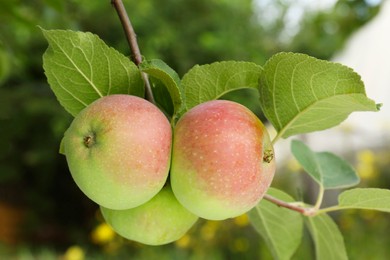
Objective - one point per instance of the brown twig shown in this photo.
(132, 40)
(304, 211)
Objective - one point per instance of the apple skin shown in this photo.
(159, 221)
(222, 160)
(118, 151)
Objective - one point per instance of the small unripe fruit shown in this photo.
(222, 161)
(118, 151)
(159, 221)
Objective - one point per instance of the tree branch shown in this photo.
(132, 40)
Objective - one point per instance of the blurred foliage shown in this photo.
(324, 33)
(35, 178)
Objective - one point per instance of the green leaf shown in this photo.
(61, 150)
(211, 81)
(365, 198)
(162, 97)
(169, 78)
(327, 169)
(81, 68)
(281, 228)
(328, 240)
(301, 94)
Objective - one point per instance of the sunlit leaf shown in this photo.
(328, 240)
(365, 198)
(281, 228)
(326, 168)
(301, 94)
(211, 81)
(81, 68)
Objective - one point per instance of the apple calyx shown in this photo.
(89, 140)
(268, 155)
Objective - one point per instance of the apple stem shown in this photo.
(132, 40)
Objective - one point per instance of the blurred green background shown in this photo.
(43, 215)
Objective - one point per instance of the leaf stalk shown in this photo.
(319, 198)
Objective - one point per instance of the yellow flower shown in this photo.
(102, 234)
(293, 165)
(208, 229)
(184, 241)
(74, 253)
(241, 221)
(366, 164)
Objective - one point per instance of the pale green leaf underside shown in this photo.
(81, 68)
(281, 228)
(301, 94)
(327, 169)
(171, 80)
(328, 240)
(365, 198)
(211, 81)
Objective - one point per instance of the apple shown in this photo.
(118, 151)
(159, 221)
(222, 160)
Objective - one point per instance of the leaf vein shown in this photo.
(77, 68)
